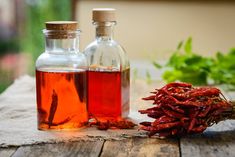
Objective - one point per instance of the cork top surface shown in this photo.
(61, 25)
(103, 14)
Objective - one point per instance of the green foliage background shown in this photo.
(37, 13)
(187, 66)
(31, 40)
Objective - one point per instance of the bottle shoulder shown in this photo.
(106, 53)
(65, 60)
(104, 47)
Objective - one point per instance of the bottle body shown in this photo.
(108, 77)
(108, 97)
(61, 85)
(61, 99)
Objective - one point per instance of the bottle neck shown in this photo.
(62, 45)
(104, 30)
(62, 42)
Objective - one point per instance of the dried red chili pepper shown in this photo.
(118, 124)
(175, 108)
(54, 104)
(163, 119)
(181, 109)
(59, 123)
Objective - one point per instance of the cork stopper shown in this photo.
(103, 14)
(61, 25)
(61, 29)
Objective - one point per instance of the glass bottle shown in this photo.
(108, 71)
(61, 79)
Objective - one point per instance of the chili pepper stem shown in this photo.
(233, 111)
(229, 114)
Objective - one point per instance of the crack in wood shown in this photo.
(101, 150)
(7, 152)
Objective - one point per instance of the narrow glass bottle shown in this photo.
(61, 79)
(108, 71)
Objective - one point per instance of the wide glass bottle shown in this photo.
(61, 79)
(108, 71)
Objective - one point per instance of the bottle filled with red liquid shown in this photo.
(108, 71)
(61, 79)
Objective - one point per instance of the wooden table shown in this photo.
(213, 143)
(209, 145)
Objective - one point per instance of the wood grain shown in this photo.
(7, 152)
(71, 149)
(210, 144)
(141, 147)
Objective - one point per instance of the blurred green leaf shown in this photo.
(148, 77)
(188, 46)
(171, 76)
(135, 74)
(180, 45)
(156, 65)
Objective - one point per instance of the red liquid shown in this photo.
(108, 94)
(61, 100)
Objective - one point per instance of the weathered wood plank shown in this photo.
(7, 152)
(210, 144)
(141, 147)
(71, 149)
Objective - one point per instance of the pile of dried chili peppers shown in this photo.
(180, 109)
(116, 124)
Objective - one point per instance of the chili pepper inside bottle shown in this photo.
(108, 72)
(61, 79)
